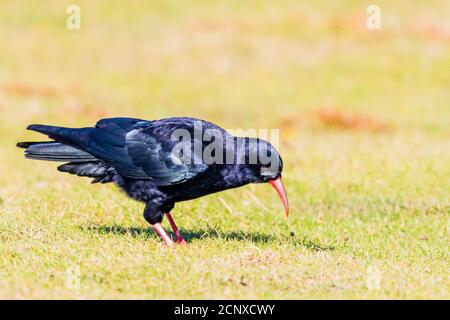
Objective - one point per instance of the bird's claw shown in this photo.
(180, 241)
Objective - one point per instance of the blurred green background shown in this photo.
(365, 137)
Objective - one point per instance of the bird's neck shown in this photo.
(236, 175)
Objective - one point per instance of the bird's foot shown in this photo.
(180, 240)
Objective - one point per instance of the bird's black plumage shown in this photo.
(138, 156)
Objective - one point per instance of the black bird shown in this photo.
(160, 162)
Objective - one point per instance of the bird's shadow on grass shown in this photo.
(211, 233)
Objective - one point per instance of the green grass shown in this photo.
(365, 205)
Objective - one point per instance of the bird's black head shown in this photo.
(263, 160)
(266, 165)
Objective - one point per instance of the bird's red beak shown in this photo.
(279, 187)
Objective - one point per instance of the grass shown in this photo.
(365, 138)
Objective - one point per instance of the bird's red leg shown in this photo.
(162, 233)
(178, 236)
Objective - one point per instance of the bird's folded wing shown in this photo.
(134, 148)
(142, 153)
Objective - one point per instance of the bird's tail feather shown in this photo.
(45, 129)
(95, 169)
(70, 136)
(54, 151)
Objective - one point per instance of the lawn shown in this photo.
(364, 119)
